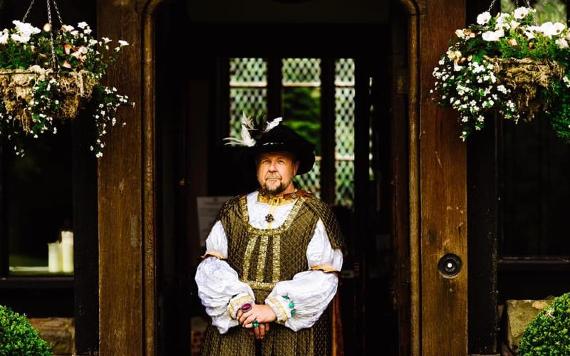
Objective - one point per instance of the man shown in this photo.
(272, 257)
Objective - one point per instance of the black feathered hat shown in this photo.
(270, 136)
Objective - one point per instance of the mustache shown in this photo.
(272, 177)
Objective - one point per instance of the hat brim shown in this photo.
(303, 154)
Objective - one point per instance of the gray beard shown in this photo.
(272, 192)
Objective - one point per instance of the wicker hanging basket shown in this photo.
(16, 89)
(526, 77)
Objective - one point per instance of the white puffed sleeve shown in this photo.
(299, 303)
(219, 287)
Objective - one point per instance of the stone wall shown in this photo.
(59, 332)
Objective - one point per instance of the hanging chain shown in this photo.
(49, 4)
(59, 15)
(54, 63)
(28, 11)
(527, 2)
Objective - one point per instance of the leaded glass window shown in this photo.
(344, 131)
(248, 90)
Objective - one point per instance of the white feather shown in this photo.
(246, 139)
(246, 122)
(273, 123)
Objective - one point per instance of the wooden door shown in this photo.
(437, 189)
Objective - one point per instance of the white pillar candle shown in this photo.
(54, 257)
(67, 251)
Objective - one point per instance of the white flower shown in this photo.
(453, 55)
(19, 38)
(4, 37)
(550, 29)
(520, 13)
(492, 36)
(483, 18)
(502, 22)
(530, 31)
(566, 81)
(25, 29)
(106, 40)
(83, 25)
(123, 43)
(459, 33)
(67, 28)
(515, 24)
(502, 89)
(562, 43)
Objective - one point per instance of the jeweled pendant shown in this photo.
(269, 218)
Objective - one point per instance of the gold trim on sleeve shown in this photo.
(278, 308)
(237, 302)
(324, 268)
(216, 254)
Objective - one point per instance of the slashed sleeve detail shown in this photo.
(219, 287)
(299, 303)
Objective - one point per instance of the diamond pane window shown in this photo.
(248, 90)
(344, 131)
(301, 72)
(301, 84)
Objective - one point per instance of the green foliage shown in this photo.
(18, 337)
(549, 333)
(302, 111)
(546, 10)
(550, 10)
(507, 6)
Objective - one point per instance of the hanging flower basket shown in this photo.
(47, 76)
(17, 91)
(507, 66)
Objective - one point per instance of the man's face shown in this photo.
(275, 172)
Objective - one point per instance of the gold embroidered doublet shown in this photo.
(263, 257)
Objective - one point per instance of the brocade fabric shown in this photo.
(267, 260)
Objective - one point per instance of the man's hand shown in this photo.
(261, 313)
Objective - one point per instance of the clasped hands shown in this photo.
(262, 314)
